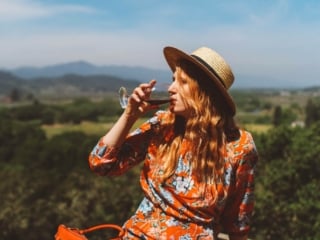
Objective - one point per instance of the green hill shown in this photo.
(72, 84)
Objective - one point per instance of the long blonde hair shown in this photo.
(208, 129)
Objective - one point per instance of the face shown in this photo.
(179, 91)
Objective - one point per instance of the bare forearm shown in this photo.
(117, 134)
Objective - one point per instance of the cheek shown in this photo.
(189, 99)
(186, 92)
(185, 101)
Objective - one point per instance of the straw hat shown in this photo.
(209, 61)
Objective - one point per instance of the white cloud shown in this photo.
(99, 48)
(15, 10)
(270, 15)
(264, 45)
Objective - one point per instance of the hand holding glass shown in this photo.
(123, 98)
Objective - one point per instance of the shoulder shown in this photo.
(162, 115)
(153, 123)
(245, 141)
(243, 149)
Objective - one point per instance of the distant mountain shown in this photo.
(73, 85)
(141, 74)
(83, 68)
(8, 81)
(257, 82)
(66, 85)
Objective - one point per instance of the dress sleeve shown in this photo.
(239, 207)
(111, 161)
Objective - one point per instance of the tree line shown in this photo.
(47, 181)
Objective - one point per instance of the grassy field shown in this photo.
(94, 128)
(86, 127)
(100, 128)
(258, 128)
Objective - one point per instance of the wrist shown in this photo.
(129, 116)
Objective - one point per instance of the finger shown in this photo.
(134, 98)
(149, 86)
(143, 90)
(144, 106)
(152, 83)
(140, 92)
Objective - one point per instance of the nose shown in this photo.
(171, 88)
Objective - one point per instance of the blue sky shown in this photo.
(276, 39)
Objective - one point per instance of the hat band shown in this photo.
(209, 68)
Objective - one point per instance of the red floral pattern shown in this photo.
(182, 207)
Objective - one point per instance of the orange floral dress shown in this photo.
(181, 207)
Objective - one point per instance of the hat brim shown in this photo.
(173, 55)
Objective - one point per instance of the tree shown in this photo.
(15, 95)
(277, 115)
(287, 202)
(48, 182)
(283, 116)
(312, 111)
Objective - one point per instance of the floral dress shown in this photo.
(182, 207)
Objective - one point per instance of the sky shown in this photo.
(274, 39)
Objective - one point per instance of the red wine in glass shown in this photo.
(123, 98)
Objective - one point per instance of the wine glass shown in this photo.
(124, 96)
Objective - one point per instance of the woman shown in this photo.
(198, 167)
